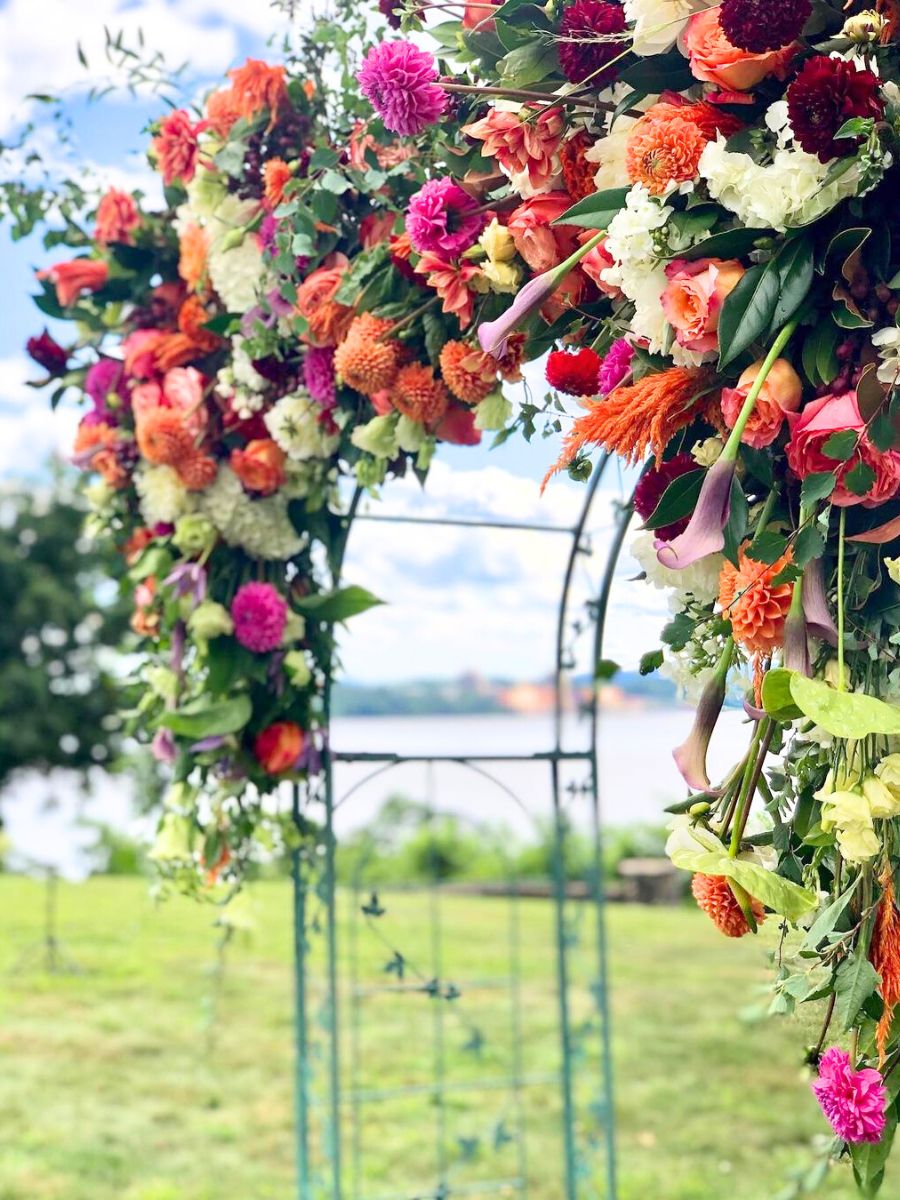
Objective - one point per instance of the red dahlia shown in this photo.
(574, 374)
(590, 38)
(825, 94)
(652, 488)
(762, 25)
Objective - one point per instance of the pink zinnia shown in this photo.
(400, 82)
(259, 614)
(616, 366)
(853, 1101)
(443, 219)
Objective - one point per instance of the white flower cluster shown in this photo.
(162, 497)
(240, 383)
(261, 527)
(294, 425)
(700, 581)
(658, 23)
(640, 243)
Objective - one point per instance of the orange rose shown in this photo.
(694, 297)
(541, 245)
(259, 466)
(278, 747)
(74, 277)
(715, 60)
(781, 394)
(327, 320)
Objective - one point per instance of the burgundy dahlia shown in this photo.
(574, 374)
(387, 9)
(763, 25)
(48, 353)
(826, 93)
(652, 488)
(590, 37)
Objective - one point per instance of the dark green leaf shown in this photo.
(201, 719)
(678, 501)
(841, 446)
(731, 243)
(809, 544)
(854, 983)
(596, 211)
(767, 547)
(794, 266)
(817, 486)
(860, 480)
(747, 312)
(651, 661)
(339, 605)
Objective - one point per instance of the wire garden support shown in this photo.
(332, 1099)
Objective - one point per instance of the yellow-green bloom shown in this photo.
(210, 620)
(497, 243)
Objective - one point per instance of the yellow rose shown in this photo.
(502, 277)
(893, 568)
(888, 771)
(497, 243)
(843, 809)
(858, 842)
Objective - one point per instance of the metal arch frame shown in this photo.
(383, 762)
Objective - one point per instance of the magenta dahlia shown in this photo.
(853, 1101)
(443, 219)
(616, 366)
(763, 25)
(591, 35)
(826, 93)
(652, 488)
(318, 375)
(260, 614)
(400, 82)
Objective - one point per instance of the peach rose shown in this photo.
(183, 390)
(72, 278)
(810, 431)
(541, 245)
(327, 320)
(715, 60)
(117, 217)
(781, 394)
(278, 747)
(259, 466)
(694, 297)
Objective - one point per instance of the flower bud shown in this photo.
(865, 27)
(297, 668)
(194, 534)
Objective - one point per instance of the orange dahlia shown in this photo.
(162, 437)
(257, 87)
(468, 372)
(197, 471)
(714, 895)
(221, 112)
(662, 152)
(418, 395)
(578, 173)
(365, 360)
(755, 605)
(276, 176)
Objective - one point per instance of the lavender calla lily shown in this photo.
(705, 532)
(690, 756)
(819, 621)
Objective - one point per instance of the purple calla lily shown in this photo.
(188, 579)
(690, 756)
(705, 532)
(819, 621)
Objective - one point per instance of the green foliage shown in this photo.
(58, 700)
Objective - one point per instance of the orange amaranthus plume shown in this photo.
(885, 957)
(642, 416)
(890, 9)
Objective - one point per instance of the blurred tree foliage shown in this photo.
(62, 617)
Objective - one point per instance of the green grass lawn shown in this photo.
(139, 1079)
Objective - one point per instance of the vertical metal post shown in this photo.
(562, 982)
(301, 1062)
(331, 1013)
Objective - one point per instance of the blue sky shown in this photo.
(462, 600)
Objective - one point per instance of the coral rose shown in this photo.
(781, 394)
(72, 278)
(260, 466)
(541, 244)
(810, 431)
(327, 320)
(278, 747)
(117, 217)
(694, 297)
(714, 59)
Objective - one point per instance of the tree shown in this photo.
(60, 617)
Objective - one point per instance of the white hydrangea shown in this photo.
(162, 497)
(240, 383)
(700, 581)
(236, 266)
(659, 23)
(262, 527)
(787, 192)
(294, 425)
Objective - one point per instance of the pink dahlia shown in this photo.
(259, 614)
(591, 36)
(318, 374)
(177, 147)
(400, 82)
(443, 219)
(853, 1101)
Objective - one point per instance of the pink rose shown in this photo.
(541, 245)
(811, 429)
(595, 262)
(715, 60)
(781, 394)
(694, 297)
(183, 390)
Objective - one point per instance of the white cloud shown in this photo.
(30, 433)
